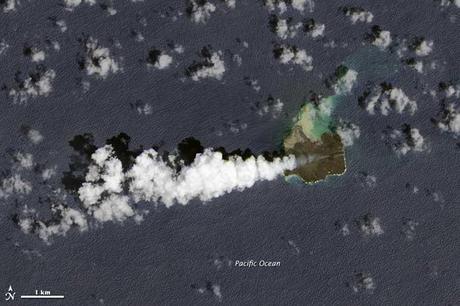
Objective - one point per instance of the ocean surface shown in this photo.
(185, 254)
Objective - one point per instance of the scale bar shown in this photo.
(42, 296)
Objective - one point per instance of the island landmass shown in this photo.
(314, 142)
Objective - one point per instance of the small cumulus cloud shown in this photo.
(370, 225)
(35, 84)
(282, 5)
(271, 105)
(96, 59)
(14, 184)
(313, 28)
(63, 219)
(348, 132)
(385, 99)
(33, 135)
(72, 4)
(405, 140)
(409, 228)
(211, 65)
(380, 38)
(450, 120)
(357, 14)
(283, 28)
(292, 55)
(366, 180)
(8, 5)
(34, 54)
(159, 59)
(362, 282)
(343, 80)
(447, 3)
(200, 11)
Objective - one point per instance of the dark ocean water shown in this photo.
(170, 255)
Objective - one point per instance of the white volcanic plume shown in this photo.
(208, 177)
(152, 179)
(110, 192)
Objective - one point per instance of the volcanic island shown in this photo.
(313, 140)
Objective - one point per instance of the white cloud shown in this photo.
(71, 4)
(24, 160)
(380, 38)
(283, 27)
(200, 11)
(9, 5)
(348, 132)
(450, 121)
(101, 193)
(36, 55)
(345, 230)
(113, 208)
(292, 55)
(98, 60)
(217, 292)
(110, 193)
(367, 180)
(68, 218)
(363, 282)
(212, 66)
(417, 65)
(104, 198)
(386, 99)
(208, 177)
(215, 289)
(318, 30)
(179, 49)
(345, 84)
(383, 40)
(424, 48)
(300, 5)
(409, 227)
(270, 106)
(143, 108)
(159, 59)
(230, 3)
(449, 2)
(151, 179)
(14, 184)
(3, 46)
(138, 36)
(163, 61)
(370, 226)
(282, 5)
(34, 136)
(418, 47)
(237, 59)
(36, 84)
(406, 140)
(452, 91)
(416, 140)
(48, 173)
(401, 101)
(313, 28)
(111, 11)
(56, 45)
(358, 14)
(62, 25)
(254, 84)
